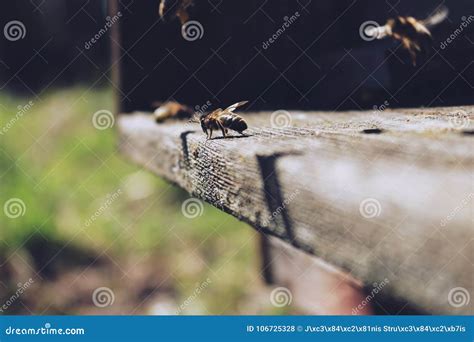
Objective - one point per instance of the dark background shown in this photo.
(55, 159)
(320, 62)
(49, 54)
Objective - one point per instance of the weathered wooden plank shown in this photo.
(382, 195)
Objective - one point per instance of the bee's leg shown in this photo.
(224, 130)
(413, 54)
(183, 16)
(210, 134)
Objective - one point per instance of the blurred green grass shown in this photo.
(64, 169)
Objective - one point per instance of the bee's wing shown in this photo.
(215, 113)
(419, 27)
(234, 107)
(437, 18)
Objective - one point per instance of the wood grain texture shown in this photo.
(381, 195)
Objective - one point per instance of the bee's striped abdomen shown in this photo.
(233, 122)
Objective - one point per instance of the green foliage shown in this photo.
(78, 191)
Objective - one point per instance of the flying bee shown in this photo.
(175, 8)
(223, 119)
(414, 34)
(172, 110)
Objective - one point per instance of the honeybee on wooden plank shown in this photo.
(172, 110)
(175, 8)
(414, 34)
(223, 119)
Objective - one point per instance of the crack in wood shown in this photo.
(273, 194)
(184, 144)
(372, 131)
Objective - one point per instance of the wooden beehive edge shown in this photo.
(382, 195)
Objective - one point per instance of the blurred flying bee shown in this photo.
(414, 34)
(175, 8)
(172, 110)
(223, 119)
